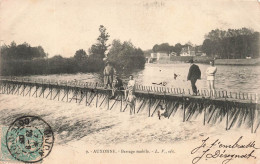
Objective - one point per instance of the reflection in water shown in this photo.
(230, 78)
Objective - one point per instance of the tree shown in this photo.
(207, 47)
(38, 52)
(156, 48)
(178, 48)
(96, 52)
(80, 55)
(164, 47)
(125, 56)
(99, 49)
(167, 48)
(80, 59)
(233, 43)
(22, 52)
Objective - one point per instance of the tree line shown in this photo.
(229, 44)
(232, 44)
(22, 52)
(26, 60)
(166, 47)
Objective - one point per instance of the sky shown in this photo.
(65, 26)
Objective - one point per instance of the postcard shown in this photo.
(141, 81)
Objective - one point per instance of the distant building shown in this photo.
(152, 58)
(188, 51)
(160, 55)
(153, 55)
(173, 54)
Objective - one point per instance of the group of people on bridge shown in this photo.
(193, 75)
(117, 84)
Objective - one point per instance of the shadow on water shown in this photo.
(68, 130)
(7, 118)
(64, 128)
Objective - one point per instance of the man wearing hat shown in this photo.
(193, 76)
(109, 72)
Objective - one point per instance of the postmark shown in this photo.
(29, 139)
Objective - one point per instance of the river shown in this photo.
(228, 77)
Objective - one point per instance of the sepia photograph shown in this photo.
(140, 81)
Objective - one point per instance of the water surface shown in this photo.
(228, 77)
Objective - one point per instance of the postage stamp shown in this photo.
(28, 139)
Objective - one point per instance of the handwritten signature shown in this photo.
(223, 150)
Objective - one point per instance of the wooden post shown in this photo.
(252, 119)
(18, 89)
(121, 104)
(165, 101)
(3, 88)
(15, 85)
(59, 94)
(114, 103)
(103, 100)
(156, 107)
(134, 106)
(107, 100)
(86, 97)
(10, 88)
(142, 102)
(97, 99)
(183, 108)
(76, 91)
(43, 89)
(149, 105)
(36, 89)
(202, 106)
(7, 88)
(67, 93)
(51, 93)
(23, 88)
(227, 110)
(30, 91)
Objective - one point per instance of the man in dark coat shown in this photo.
(193, 76)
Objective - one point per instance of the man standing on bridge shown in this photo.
(193, 76)
(109, 72)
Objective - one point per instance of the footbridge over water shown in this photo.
(236, 109)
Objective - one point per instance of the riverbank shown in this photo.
(206, 60)
(247, 62)
(197, 59)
